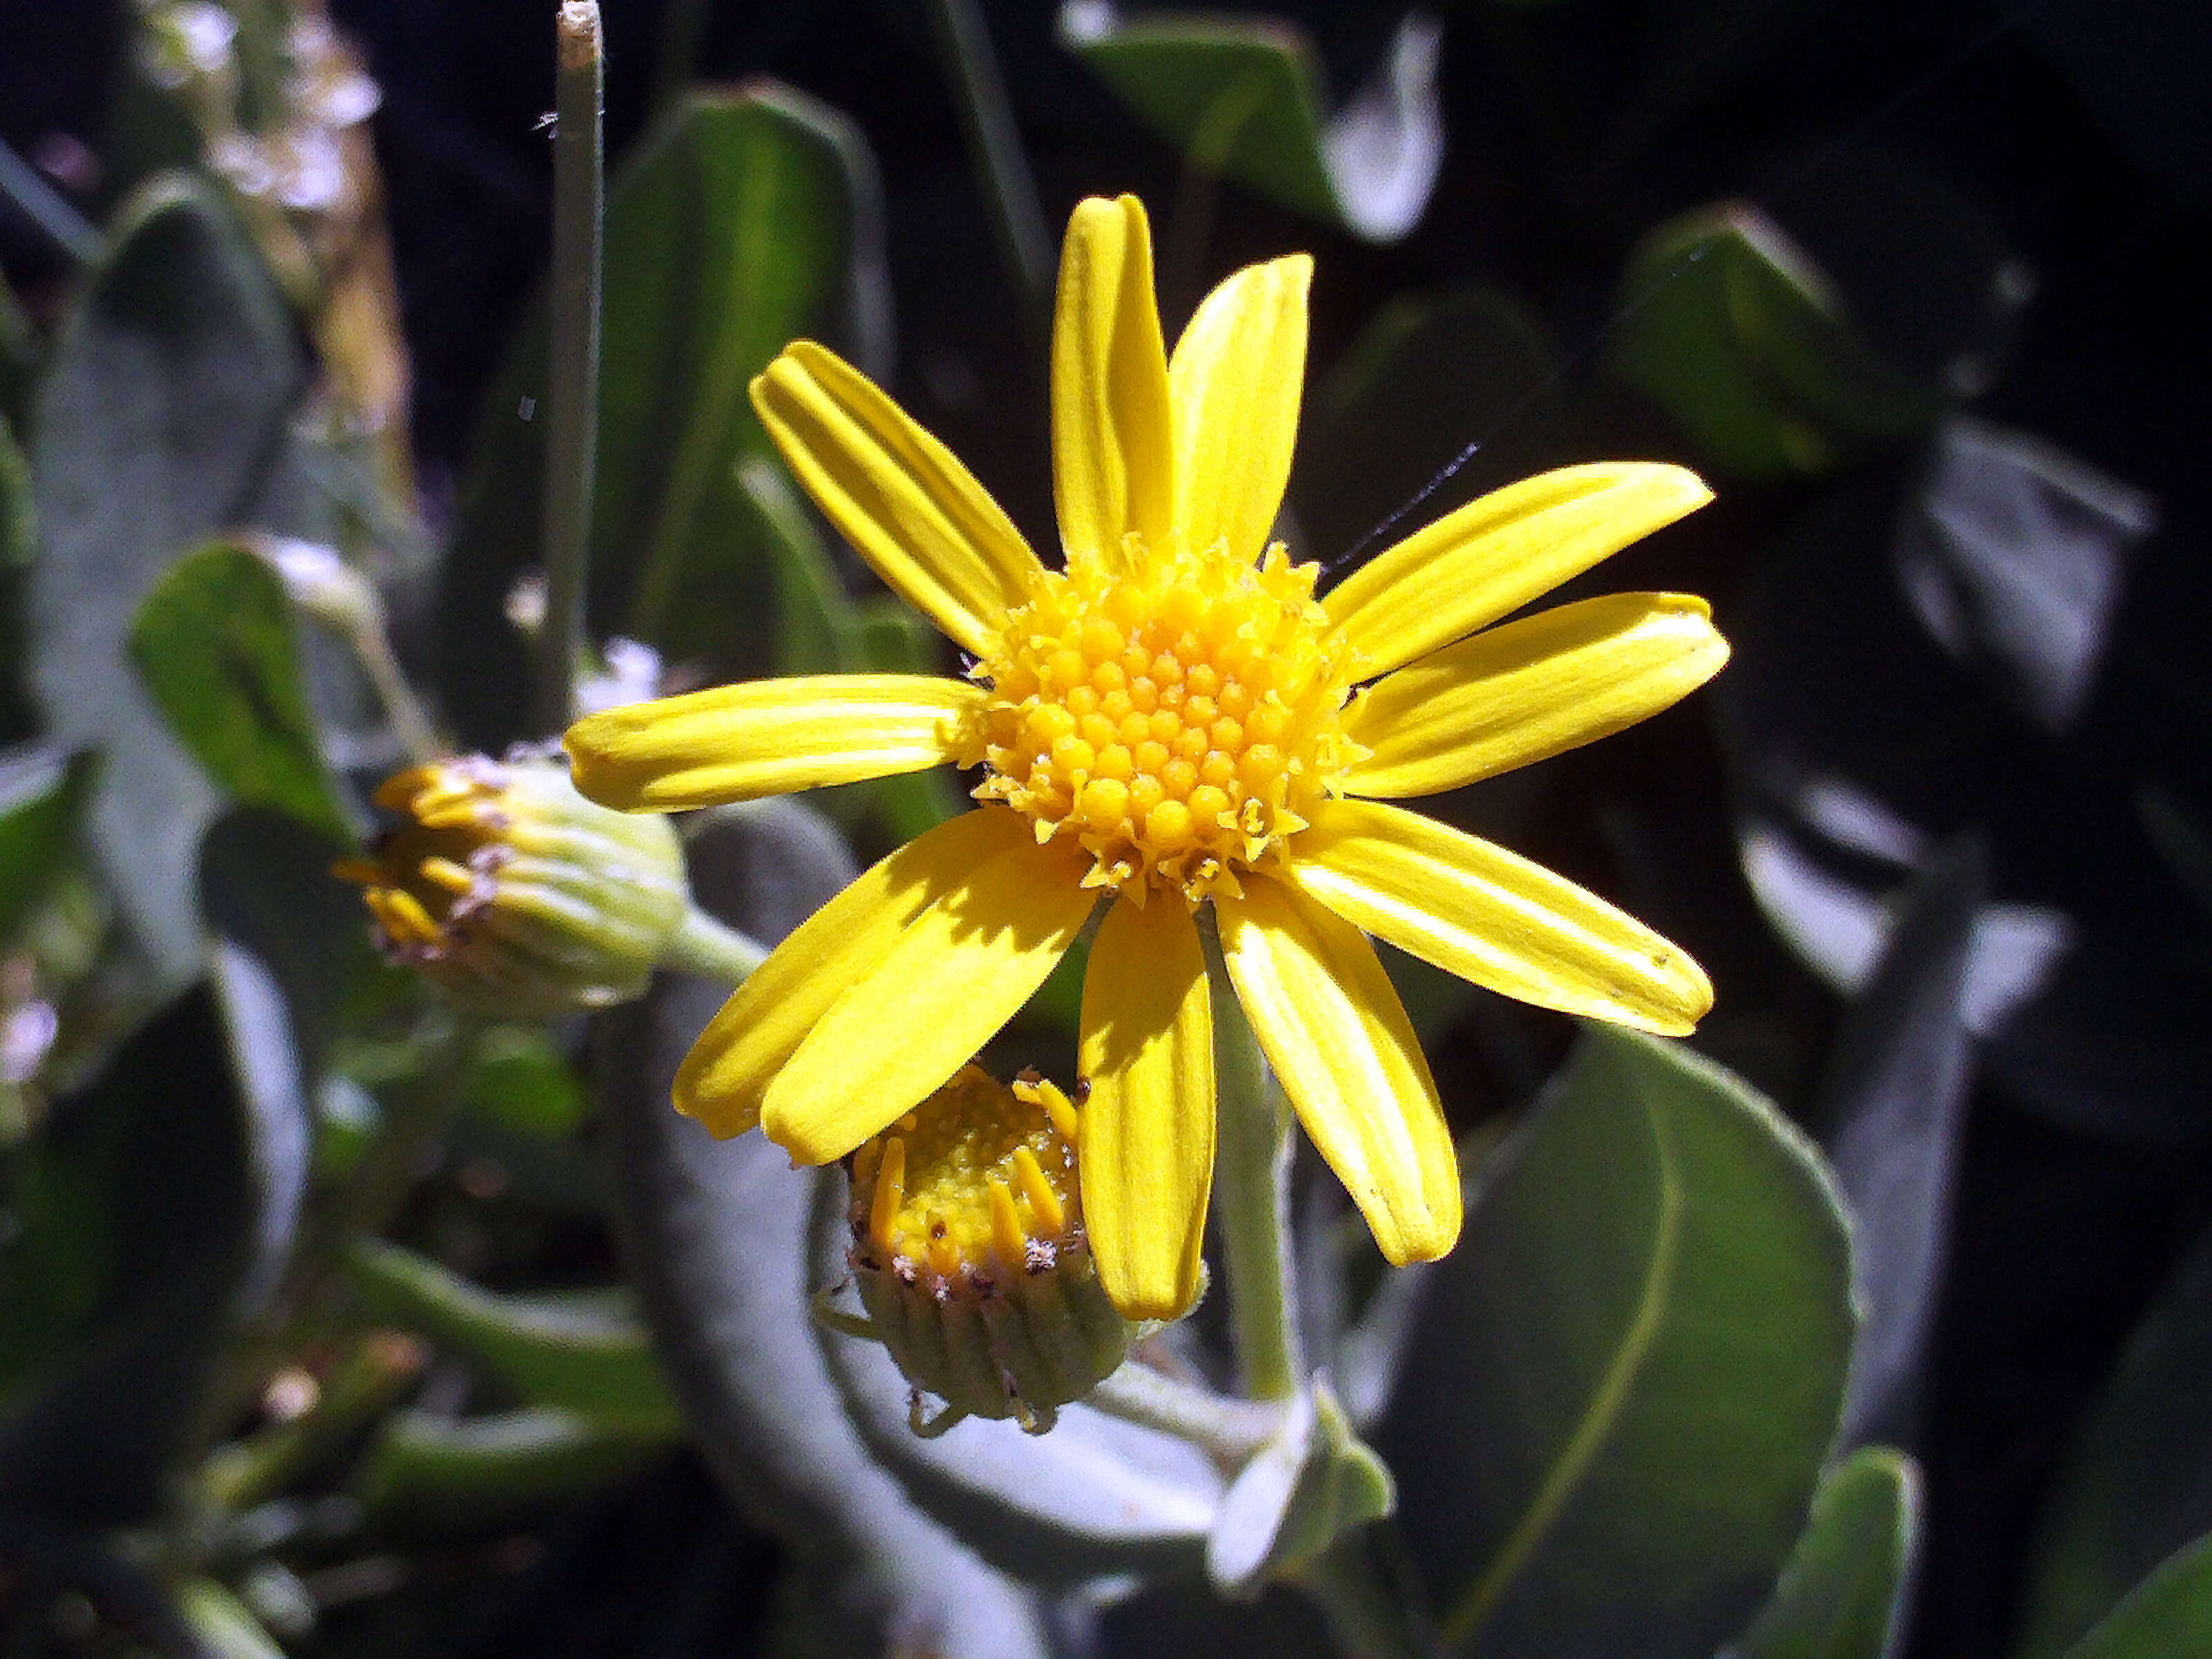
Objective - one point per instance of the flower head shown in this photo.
(968, 1251)
(512, 893)
(1173, 725)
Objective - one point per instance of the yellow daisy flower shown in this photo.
(1174, 722)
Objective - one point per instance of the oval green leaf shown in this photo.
(1732, 329)
(1842, 1595)
(1648, 1317)
(214, 643)
(1242, 98)
(160, 420)
(2168, 1616)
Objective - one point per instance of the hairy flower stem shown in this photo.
(572, 380)
(371, 641)
(706, 947)
(1251, 1194)
(1228, 1430)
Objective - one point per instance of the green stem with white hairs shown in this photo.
(712, 950)
(1228, 1430)
(1251, 1194)
(572, 385)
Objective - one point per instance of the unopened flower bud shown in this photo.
(968, 1254)
(513, 893)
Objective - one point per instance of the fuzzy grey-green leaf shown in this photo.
(159, 420)
(1648, 1317)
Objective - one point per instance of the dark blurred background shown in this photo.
(2016, 202)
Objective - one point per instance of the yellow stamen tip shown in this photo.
(456, 879)
(1044, 1203)
(394, 793)
(403, 914)
(1052, 1099)
(890, 1193)
(1007, 1227)
(977, 1173)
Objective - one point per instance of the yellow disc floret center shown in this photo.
(1177, 713)
(975, 1185)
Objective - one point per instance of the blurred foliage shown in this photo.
(1876, 1324)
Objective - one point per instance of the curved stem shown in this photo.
(372, 649)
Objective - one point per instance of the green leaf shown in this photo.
(214, 643)
(139, 1218)
(265, 886)
(458, 1474)
(1729, 327)
(290, 964)
(2136, 1485)
(742, 220)
(1242, 98)
(2168, 1616)
(162, 419)
(583, 1351)
(42, 800)
(19, 526)
(1842, 1596)
(1648, 1316)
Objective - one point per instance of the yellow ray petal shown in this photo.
(1233, 388)
(1147, 1128)
(1489, 916)
(903, 499)
(1111, 465)
(1498, 552)
(1528, 690)
(1332, 1028)
(921, 1009)
(724, 1077)
(768, 738)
